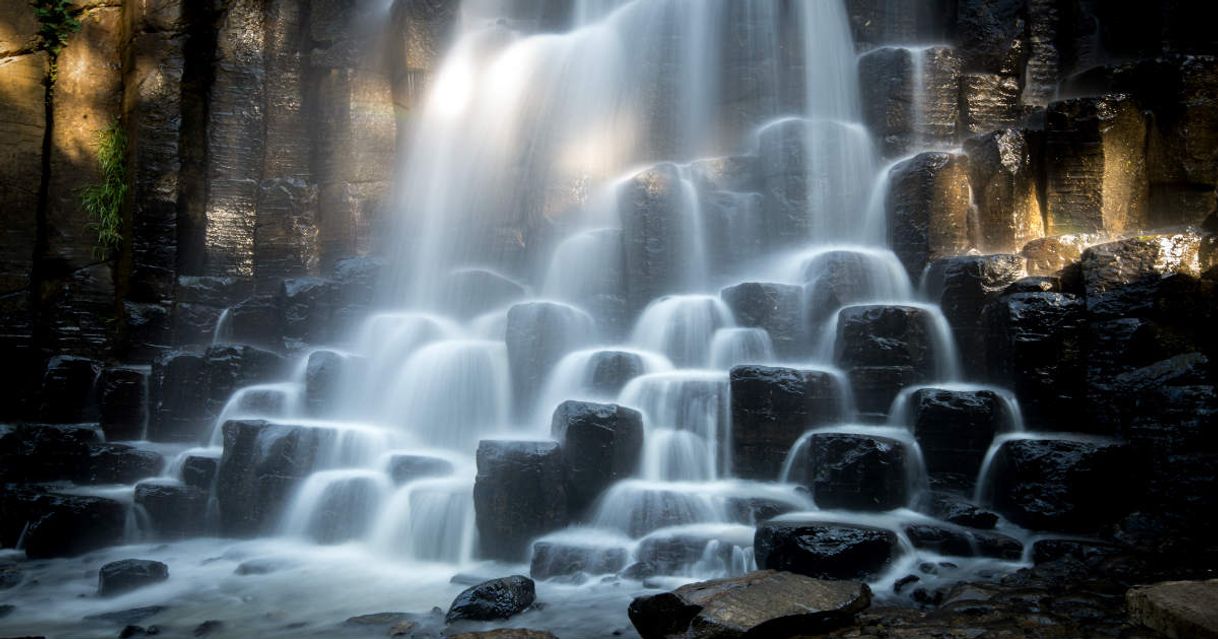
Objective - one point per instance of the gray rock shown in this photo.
(122, 576)
(495, 599)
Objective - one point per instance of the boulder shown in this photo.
(1061, 485)
(903, 114)
(1095, 165)
(611, 370)
(557, 559)
(199, 471)
(47, 452)
(1003, 175)
(68, 388)
(404, 469)
(1035, 347)
(538, 335)
(123, 402)
(519, 494)
(307, 307)
(959, 542)
(601, 444)
(825, 550)
(174, 511)
(680, 551)
(928, 207)
(963, 286)
(495, 599)
(257, 321)
(1055, 255)
(1121, 278)
(121, 464)
(875, 387)
(760, 604)
(1176, 608)
(262, 464)
(955, 509)
(857, 472)
(118, 577)
(776, 308)
(771, 409)
(190, 389)
(954, 430)
(55, 525)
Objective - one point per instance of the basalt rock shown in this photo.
(838, 278)
(955, 509)
(1121, 277)
(1036, 348)
(126, 575)
(1176, 608)
(928, 206)
(519, 494)
(494, 599)
(989, 101)
(601, 444)
(1096, 166)
(257, 321)
(175, 511)
(760, 604)
(875, 387)
(557, 559)
(46, 452)
(323, 377)
(771, 409)
(954, 429)
(121, 464)
(883, 349)
(993, 35)
(68, 390)
(824, 550)
(55, 525)
(407, 468)
(199, 471)
(1060, 485)
(262, 464)
(676, 552)
(190, 389)
(958, 542)
(653, 233)
(538, 335)
(776, 308)
(471, 292)
(892, 96)
(123, 402)
(963, 286)
(611, 370)
(1003, 174)
(308, 307)
(857, 472)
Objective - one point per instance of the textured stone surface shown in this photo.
(1060, 484)
(494, 599)
(901, 115)
(963, 286)
(125, 575)
(824, 550)
(776, 308)
(954, 429)
(262, 464)
(771, 409)
(989, 101)
(538, 335)
(928, 207)
(857, 472)
(1176, 608)
(601, 444)
(1002, 172)
(765, 603)
(519, 494)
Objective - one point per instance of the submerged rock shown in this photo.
(122, 576)
(538, 335)
(760, 604)
(262, 464)
(825, 550)
(495, 599)
(407, 468)
(776, 308)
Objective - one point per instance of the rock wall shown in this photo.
(261, 143)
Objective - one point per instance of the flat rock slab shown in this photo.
(1178, 609)
(767, 603)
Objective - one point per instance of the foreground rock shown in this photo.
(767, 604)
(857, 472)
(519, 494)
(494, 599)
(824, 550)
(126, 575)
(1176, 608)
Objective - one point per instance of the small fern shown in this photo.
(58, 20)
(104, 201)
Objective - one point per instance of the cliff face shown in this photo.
(261, 138)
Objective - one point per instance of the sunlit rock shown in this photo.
(1004, 182)
(963, 286)
(928, 208)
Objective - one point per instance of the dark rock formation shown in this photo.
(857, 472)
(122, 395)
(57, 525)
(611, 370)
(884, 349)
(955, 509)
(262, 464)
(471, 292)
(993, 35)
(674, 552)
(601, 444)
(771, 409)
(495, 599)
(824, 550)
(777, 308)
(1121, 278)
(122, 576)
(407, 468)
(901, 114)
(928, 209)
(323, 376)
(760, 604)
(654, 232)
(1062, 485)
(1052, 256)
(199, 471)
(1003, 174)
(120, 464)
(963, 286)
(954, 430)
(959, 542)
(556, 559)
(67, 394)
(189, 389)
(175, 511)
(519, 494)
(538, 335)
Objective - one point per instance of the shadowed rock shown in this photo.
(122, 576)
(825, 550)
(519, 494)
(601, 444)
(771, 408)
(495, 599)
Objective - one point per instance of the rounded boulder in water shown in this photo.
(122, 576)
(495, 599)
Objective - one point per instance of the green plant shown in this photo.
(58, 21)
(104, 201)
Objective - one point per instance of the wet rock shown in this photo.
(601, 444)
(963, 286)
(611, 370)
(472, 292)
(557, 559)
(993, 35)
(885, 336)
(174, 511)
(538, 335)
(940, 540)
(127, 617)
(199, 471)
(256, 321)
(121, 464)
(123, 402)
(771, 408)
(675, 552)
(356, 278)
(1003, 176)
(892, 96)
(928, 208)
(833, 279)
(654, 232)
(308, 308)
(505, 633)
(955, 509)
(954, 429)
(753, 510)
(494, 599)
(857, 472)
(189, 389)
(989, 101)
(10, 576)
(997, 545)
(67, 394)
(1060, 485)
(824, 550)
(776, 308)
(122, 576)
(764, 603)
(876, 386)
(1034, 284)
(1053, 255)
(323, 376)
(261, 466)
(1095, 165)
(47, 452)
(519, 494)
(208, 627)
(407, 468)
(1176, 608)
(1035, 347)
(1047, 550)
(1121, 277)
